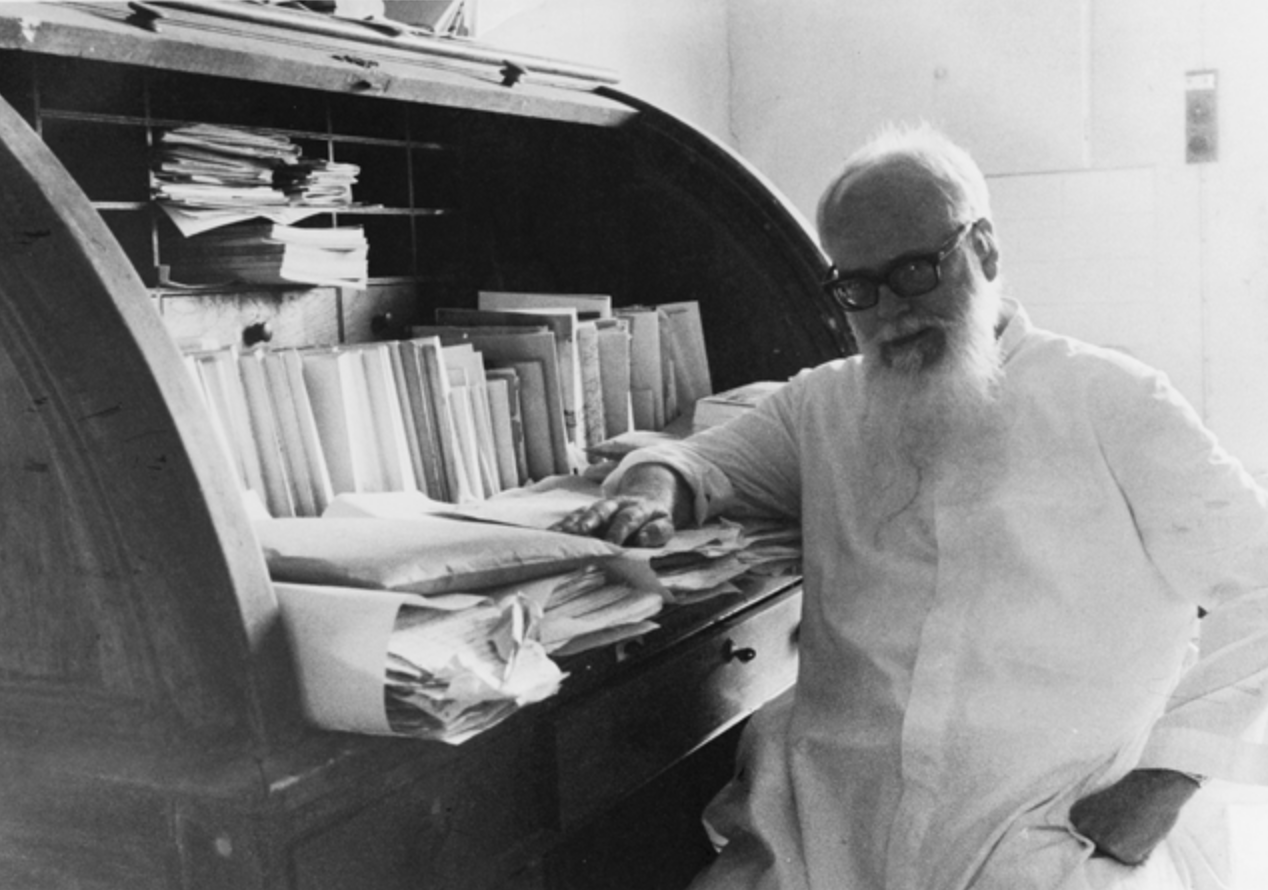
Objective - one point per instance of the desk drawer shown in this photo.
(464, 827)
(627, 734)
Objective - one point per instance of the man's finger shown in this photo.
(655, 533)
(591, 520)
(630, 520)
(597, 516)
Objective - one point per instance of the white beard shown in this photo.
(931, 417)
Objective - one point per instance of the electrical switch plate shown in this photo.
(1201, 120)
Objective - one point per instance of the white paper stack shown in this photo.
(451, 675)
(386, 663)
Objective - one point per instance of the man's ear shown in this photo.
(986, 248)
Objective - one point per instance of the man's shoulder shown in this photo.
(1047, 348)
(829, 370)
(1107, 380)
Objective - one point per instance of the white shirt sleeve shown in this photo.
(748, 466)
(1204, 523)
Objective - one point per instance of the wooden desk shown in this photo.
(333, 810)
(150, 735)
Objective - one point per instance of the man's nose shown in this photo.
(888, 304)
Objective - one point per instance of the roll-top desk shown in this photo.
(150, 735)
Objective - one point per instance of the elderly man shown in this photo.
(1009, 537)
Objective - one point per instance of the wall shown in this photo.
(1076, 112)
(671, 53)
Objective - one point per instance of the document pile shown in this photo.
(438, 627)
(704, 562)
(437, 667)
(260, 252)
(206, 176)
(590, 607)
(451, 675)
(317, 183)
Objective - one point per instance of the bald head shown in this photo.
(891, 207)
(904, 176)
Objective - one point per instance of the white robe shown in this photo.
(966, 674)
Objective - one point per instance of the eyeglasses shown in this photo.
(909, 275)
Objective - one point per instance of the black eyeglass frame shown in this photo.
(835, 286)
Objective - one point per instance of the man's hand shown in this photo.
(1132, 816)
(643, 513)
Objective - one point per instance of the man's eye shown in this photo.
(912, 269)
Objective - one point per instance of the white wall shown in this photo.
(1076, 111)
(672, 53)
(1074, 108)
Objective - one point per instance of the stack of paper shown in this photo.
(772, 547)
(700, 563)
(260, 252)
(315, 182)
(453, 674)
(205, 176)
(587, 609)
(442, 668)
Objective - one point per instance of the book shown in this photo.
(222, 386)
(329, 383)
(505, 346)
(310, 439)
(614, 375)
(437, 385)
(407, 405)
(282, 406)
(464, 363)
(721, 407)
(389, 445)
(368, 470)
(647, 396)
(562, 323)
(591, 373)
(268, 448)
(430, 473)
(686, 352)
(462, 409)
(503, 440)
(514, 402)
(539, 450)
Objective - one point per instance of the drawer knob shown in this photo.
(259, 332)
(742, 654)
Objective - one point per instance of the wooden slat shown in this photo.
(184, 621)
(201, 44)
